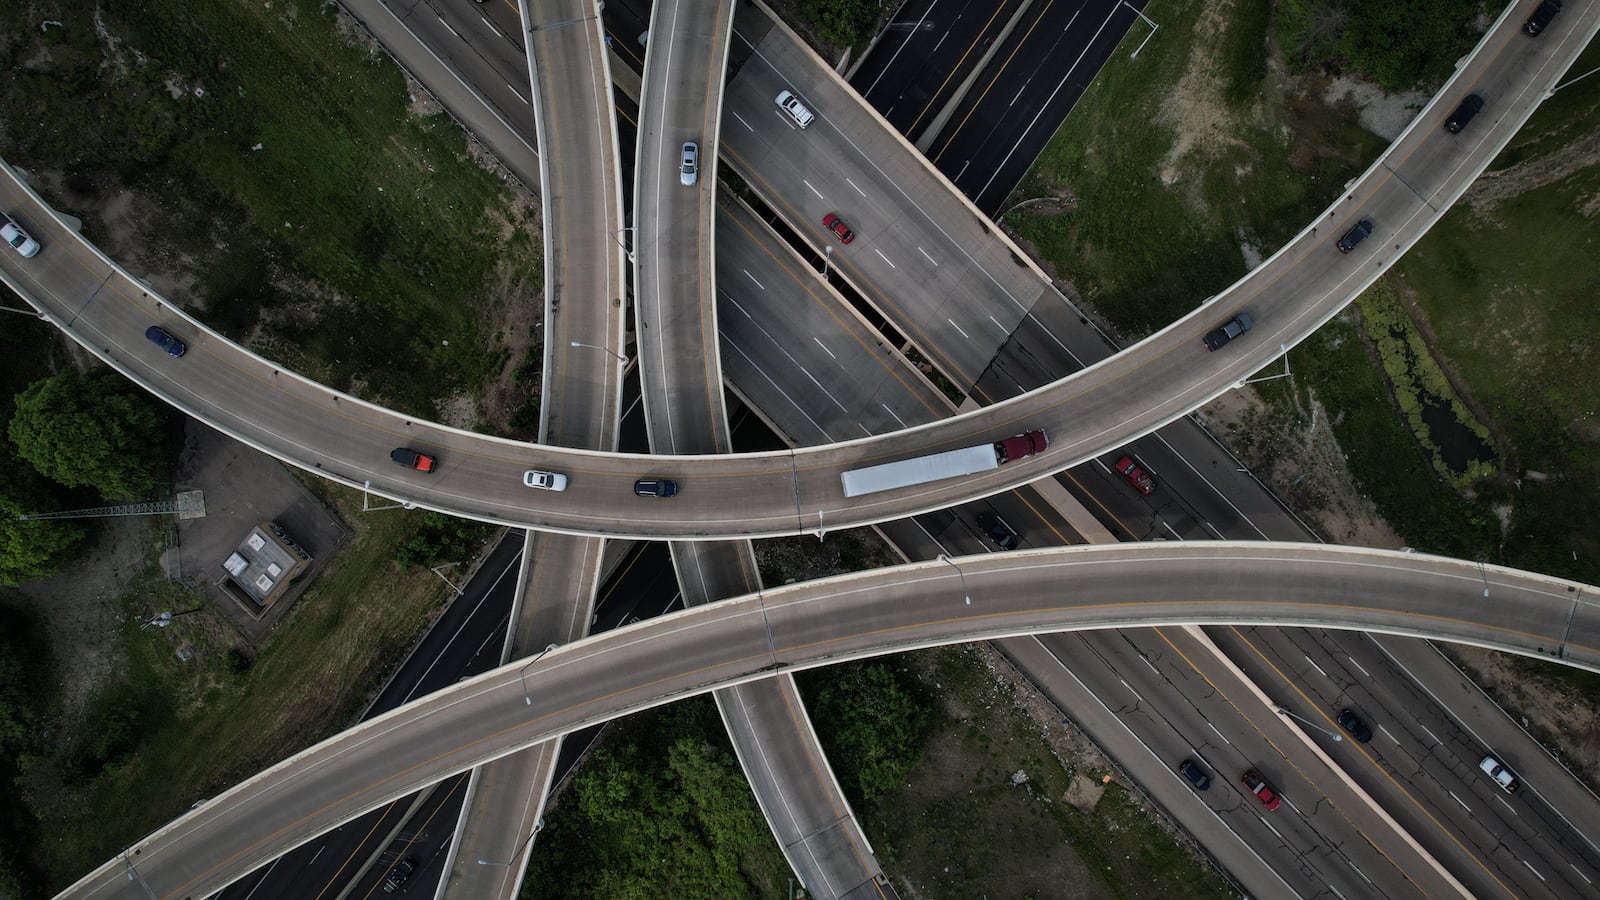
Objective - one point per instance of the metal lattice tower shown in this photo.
(187, 505)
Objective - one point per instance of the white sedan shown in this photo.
(20, 241)
(545, 481)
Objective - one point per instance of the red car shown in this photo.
(411, 459)
(833, 223)
(1137, 476)
(1255, 784)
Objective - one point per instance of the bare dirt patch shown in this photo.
(79, 606)
(1194, 110)
(1559, 716)
(1381, 112)
(1303, 465)
(1498, 186)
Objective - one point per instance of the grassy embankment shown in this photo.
(315, 208)
(277, 172)
(1190, 163)
(161, 733)
(1485, 331)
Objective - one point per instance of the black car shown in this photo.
(1541, 17)
(165, 340)
(1353, 725)
(998, 531)
(1357, 233)
(399, 874)
(1228, 330)
(1196, 775)
(1463, 114)
(655, 487)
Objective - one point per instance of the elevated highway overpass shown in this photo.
(1290, 295)
(833, 620)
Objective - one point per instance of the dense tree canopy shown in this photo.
(24, 663)
(872, 724)
(92, 430)
(663, 812)
(841, 22)
(30, 550)
(1397, 43)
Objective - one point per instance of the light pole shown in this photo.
(366, 504)
(1284, 711)
(537, 827)
(522, 676)
(827, 257)
(945, 558)
(25, 312)
(1153, 27)
(624, 244)
(435, 570)
(1484, 574)
(620, 358)
(1282, 348)
(1016, 206)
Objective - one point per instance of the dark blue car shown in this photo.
(163, 338)
(655, 487)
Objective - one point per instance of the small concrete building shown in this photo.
(264, 564)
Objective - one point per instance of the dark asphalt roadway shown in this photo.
(1018, 100)
(465, 641)
(925, 54)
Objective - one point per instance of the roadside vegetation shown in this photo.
(842, 23)
(96, 431)
(188, 710)
(1396, 44)
(1182, 169)
(29, 350)
(1008, 801)
(1461, 388)
(926, 747)
(275, 177)
(24, 695)
(664, 809)
(270, 172)
(834, 28)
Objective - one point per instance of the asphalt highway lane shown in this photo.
(465, 641)
(924, 56)
(1020, 100)
(1422, 760)
(1290, 295)
(844, 618)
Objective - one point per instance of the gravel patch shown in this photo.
(1382, 113)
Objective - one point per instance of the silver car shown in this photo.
(544, 481)
(20, 241)
(797, 110)
(689, 171)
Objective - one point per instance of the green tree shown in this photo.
(443, 539)
(30, 550)
(661, 811)
(841, 22)
(92, 430)
(24, 679)
(872, 724)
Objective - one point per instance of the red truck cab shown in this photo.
(1021, 446)
(1136, 475)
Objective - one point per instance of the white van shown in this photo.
(797, 111)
